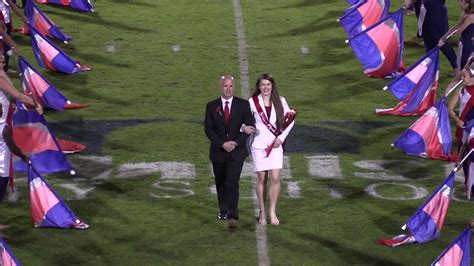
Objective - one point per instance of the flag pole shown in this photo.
(449, 36)
(453, 88)
(462, 161)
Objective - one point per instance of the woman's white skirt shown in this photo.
(273, 161)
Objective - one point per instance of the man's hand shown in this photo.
(229, 145)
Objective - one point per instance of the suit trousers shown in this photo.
(227, 176)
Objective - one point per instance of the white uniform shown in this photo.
(5, 154)
(265, 137)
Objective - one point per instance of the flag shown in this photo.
(6, 255)
(68, 146)
(416, 88)
(458, 253)
(42, 23)
(430, 135)
(379, 48)
(81, 5)
(352, 2)
(47, 208)
(34, 138)
(36, 85)
(428, 220)
(363, 15)
(49, 56)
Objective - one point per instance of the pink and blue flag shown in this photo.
(47, 208)
(36, 85)
(458, 253)
(364, 14)
(380, 47)
(81, 5)
(430, 135)
(352, 2)
(416, 88)
(426, 223)
(51, 57)
(428, 220)
(34, 138)
(6, 255)
(42, 23)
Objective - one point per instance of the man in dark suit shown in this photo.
(222, 125)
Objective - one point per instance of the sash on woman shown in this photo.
(289, 118)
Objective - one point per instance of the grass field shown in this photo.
(156, 63)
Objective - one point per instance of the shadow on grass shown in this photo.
(95, 18)
(310, 3)
(134, 3)
(326, 22)
(329, 137)
(349, 255)
(92, 133)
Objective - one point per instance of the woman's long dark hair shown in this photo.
(274, 98)
(470, 5)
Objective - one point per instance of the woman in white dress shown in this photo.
(273, 123)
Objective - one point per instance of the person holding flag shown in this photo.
(464, 28)
(7, 146)
(273, 122)
(432, 25)
(464, 120)
(7, 26)
(466, 98)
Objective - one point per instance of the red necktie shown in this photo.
(226, 112)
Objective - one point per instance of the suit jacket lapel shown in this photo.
(233, 111)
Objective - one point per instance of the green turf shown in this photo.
(147, 105)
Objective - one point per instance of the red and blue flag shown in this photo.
(42, 23)
(363, 15)
(458, 253)
(81, 5)
(380, 47)
(416, 88)
(34, 138)
(51, 57)
(428, 220)
(47, 208)
(36, 85)
(6, 255)
(430, 135)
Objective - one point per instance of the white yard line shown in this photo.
(261, 231)
(242, 44)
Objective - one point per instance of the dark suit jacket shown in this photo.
(217, 132)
